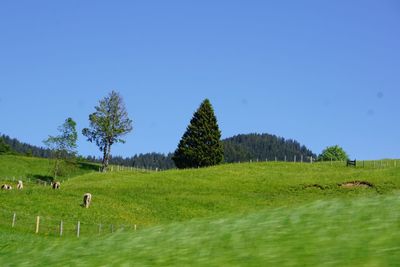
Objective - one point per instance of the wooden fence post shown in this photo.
(13, 221)
(78, 229)
(37, 224)
(61, 228)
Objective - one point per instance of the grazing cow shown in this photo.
(20, 185)
(86, 200)
(6, 187)
(55, 185)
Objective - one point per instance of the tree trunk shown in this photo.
(56, 169)
(104, 163)
(106, 157)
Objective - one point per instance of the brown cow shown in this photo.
(87, 198)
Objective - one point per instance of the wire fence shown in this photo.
(117, 168)
(384, 163)
(48, 226)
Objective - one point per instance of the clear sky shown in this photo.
(319, 72)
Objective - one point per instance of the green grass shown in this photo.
(338, 232)
(152, 198)
(23, 168)
(287, 214)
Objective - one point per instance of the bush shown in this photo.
(335, 153)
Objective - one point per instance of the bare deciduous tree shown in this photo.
(108, 124)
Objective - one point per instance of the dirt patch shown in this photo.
(317, 186)
(356, 184)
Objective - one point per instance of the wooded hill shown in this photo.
(246, 147)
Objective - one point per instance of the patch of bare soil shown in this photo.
(317, 186)
(356, 184)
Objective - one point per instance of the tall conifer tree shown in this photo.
(200, 145)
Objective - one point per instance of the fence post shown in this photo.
(294, 158)
(99, 228)
(135, 227)
(13, 221)
(37, 224)
(61, 228)
(78, 229)
(275, 159)
(301, 158)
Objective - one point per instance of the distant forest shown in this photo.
(262, 147)
(19, 147)
(239, 148)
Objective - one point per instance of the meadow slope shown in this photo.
(341, 232)
(153, 198)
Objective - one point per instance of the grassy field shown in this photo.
(288, 214)
(19, 167)
(341, 232)
(152, 198)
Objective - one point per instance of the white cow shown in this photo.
(20, 185)
(55, 185)
(87, 198)
(6, 187)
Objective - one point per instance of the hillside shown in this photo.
(322, 233)
(252, 214)
(14, 167)
(152, 198)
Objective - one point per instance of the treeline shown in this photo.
(239, 148)
(150, 161)
(246, 147)
(17, 147)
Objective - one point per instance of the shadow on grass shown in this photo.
(88, 166)
(39, 177)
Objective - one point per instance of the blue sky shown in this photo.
(320, 72)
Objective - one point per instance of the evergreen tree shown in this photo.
(200, 145)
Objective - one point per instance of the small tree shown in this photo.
(200, 145)
(335, 153)
(63, 145)
(108, 124)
